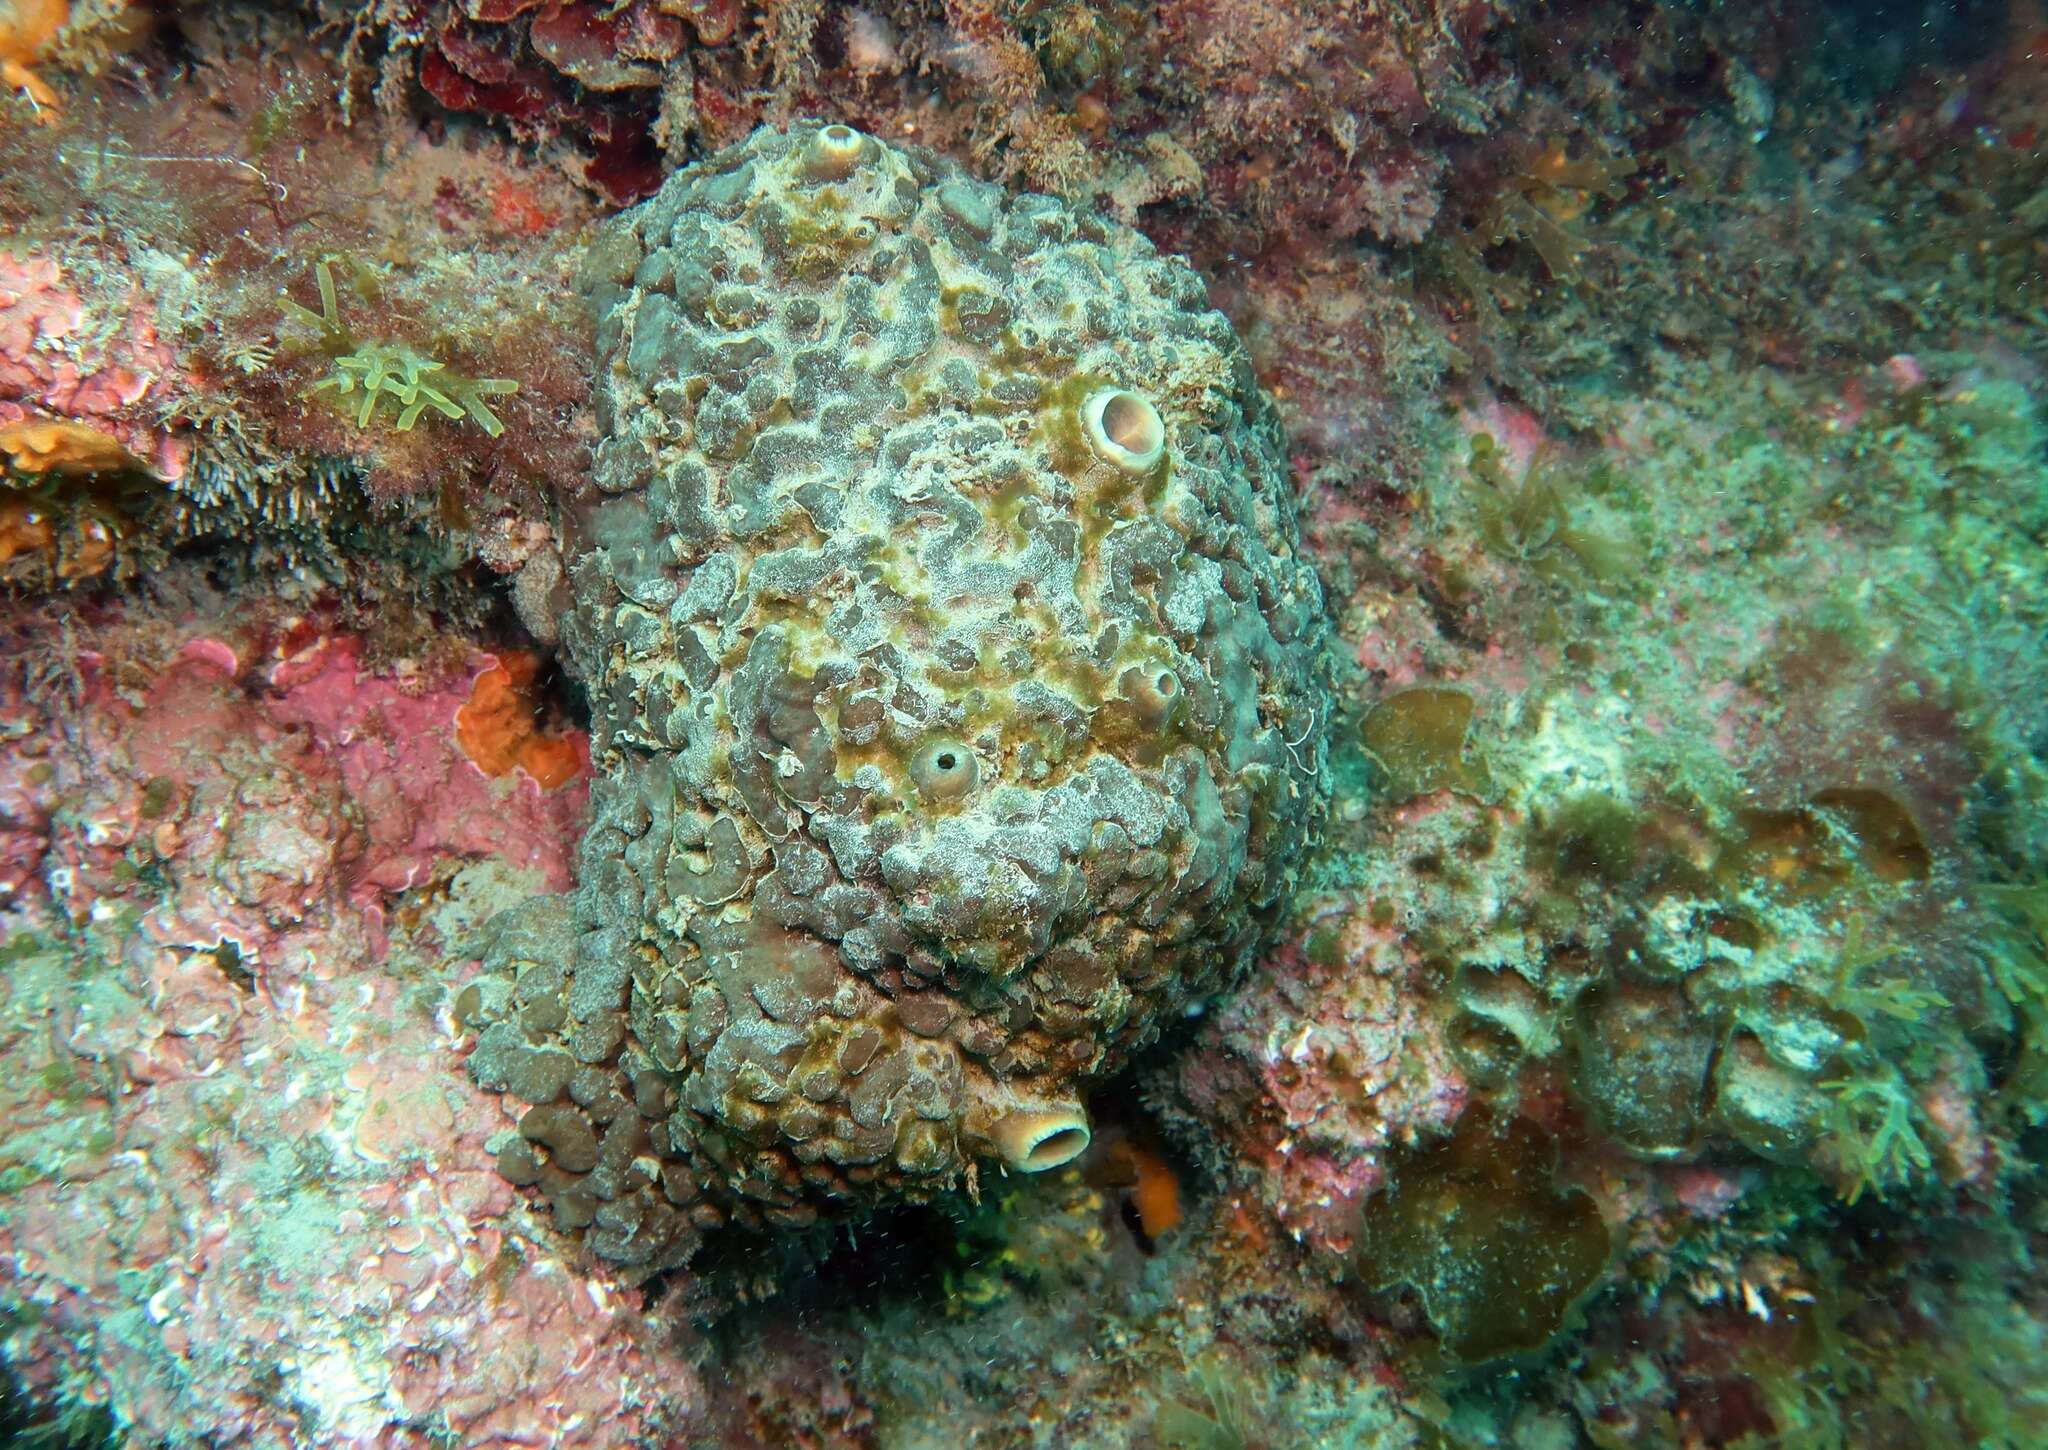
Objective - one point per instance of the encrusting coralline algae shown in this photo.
(957, 690)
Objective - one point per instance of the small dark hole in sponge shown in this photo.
(946, 760)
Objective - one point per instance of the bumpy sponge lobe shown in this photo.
(957, 682)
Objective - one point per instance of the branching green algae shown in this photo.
(384, 370)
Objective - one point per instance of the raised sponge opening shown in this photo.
(1124, 429)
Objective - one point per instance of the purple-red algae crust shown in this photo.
(244, 1196)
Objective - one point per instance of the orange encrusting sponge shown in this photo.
(53, 445)
(1156, 1193)
(499, 728)
(24, 529)
(26, 26)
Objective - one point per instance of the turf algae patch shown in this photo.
(1497, 1250)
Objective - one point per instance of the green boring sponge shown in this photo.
(958, 695)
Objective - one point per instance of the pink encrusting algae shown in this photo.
(243, 1195)
(54, 366)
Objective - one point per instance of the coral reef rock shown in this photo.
(957, 685)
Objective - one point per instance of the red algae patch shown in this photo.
(398, 746)
(500, 730)
(246, 1185)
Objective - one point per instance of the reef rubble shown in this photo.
(241, 868)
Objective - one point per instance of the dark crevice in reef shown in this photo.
(29, 1424)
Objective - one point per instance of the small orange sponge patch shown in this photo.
(500, 730)
(26, 26)
(24, 529)
(55, 446)
(1156, 1193)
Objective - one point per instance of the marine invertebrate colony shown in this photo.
(1651, 1050)
(956, 687)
